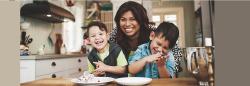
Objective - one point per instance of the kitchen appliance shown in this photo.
(44, 10)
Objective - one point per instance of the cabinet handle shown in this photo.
(79, 70)
(53, 64)
(79, 60)
(53, 76)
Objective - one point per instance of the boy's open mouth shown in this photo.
(98, 42)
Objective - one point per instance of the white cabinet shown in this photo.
(33, 69)
(27, 70)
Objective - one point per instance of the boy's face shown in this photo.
(158, 44)
(97, 38)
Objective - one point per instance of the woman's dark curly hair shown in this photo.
(140, 14)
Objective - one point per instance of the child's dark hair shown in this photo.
(169, 31)
(101, 26)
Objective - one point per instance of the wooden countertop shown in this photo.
(155, 82)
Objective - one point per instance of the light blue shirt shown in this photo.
(150, 70)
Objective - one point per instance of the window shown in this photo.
(171, 18)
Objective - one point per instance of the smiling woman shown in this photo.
(132, 27)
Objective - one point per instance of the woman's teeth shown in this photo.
(128, 29)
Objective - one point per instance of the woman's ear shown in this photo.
(108, 36)
(152, 35)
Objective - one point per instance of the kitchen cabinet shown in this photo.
(204, 11)
(38, 67)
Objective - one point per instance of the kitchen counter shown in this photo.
(50, 56)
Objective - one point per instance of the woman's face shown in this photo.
(97, 38)
(129, 25)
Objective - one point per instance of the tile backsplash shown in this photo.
(40, 31)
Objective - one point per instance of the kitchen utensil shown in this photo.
(27, 38)
(23, 34)
(29, 41)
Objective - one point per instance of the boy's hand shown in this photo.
(162, 60)
(98, 73)
(100, 66)
(152, 58)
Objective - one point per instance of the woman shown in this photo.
(133, 29)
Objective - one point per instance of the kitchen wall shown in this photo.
(40, 30)
(189, 18)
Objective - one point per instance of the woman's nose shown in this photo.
(128, 23)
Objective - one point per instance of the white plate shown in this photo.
(133, 80)
(95, 81)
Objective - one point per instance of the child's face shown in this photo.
(159, 45)
(97, 38)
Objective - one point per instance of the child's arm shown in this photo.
(163, 71)
(119, 69)
(106, 68)
(137, 66)
(166, 66)
(91, 70)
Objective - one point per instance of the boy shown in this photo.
(105, 59)
(154, 59)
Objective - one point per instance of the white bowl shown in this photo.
(133, 80)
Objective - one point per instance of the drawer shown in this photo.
(62, 74)
(46, 66)
(52, 75)
(56, 65)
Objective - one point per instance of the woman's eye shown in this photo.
(122, 19)
(100, 33)
(132, 19)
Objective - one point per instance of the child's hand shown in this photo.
(98, 73)
(162, 60)
(152, 58)
(100, 66)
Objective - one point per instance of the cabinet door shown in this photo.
(27, 70)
